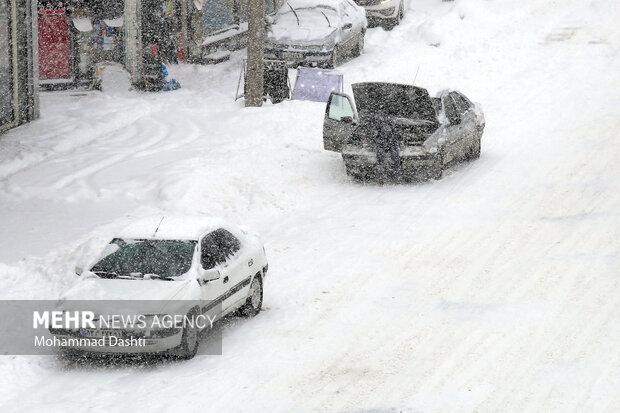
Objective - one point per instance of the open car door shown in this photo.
(340, 121)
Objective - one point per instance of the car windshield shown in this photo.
(396, 100)
(309, 17)
(145, 259)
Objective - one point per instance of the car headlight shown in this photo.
(315, 48)
(161, 325)
(387, 11)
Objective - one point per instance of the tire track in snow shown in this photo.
(112, 147)
(146, 126)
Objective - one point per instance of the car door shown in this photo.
(340, 121)
(238, 265)
(451, 146)
(468, 123)
(212, 292)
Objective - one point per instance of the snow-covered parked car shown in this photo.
(316, 32)
(387, 13)
(175, 266)
(396, 130)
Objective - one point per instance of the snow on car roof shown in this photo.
(183, 227)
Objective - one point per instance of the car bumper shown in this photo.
(412, 166)
(120, 345)
(382, 11)
(296, 57)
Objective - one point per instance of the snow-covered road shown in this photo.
(494, 289)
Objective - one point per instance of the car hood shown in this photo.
(106, 296)
(110, 289)
(300, 36)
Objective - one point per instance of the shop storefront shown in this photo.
(18, 78)
(55, 63)
(74, 36)
(77, 37)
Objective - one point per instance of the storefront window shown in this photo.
(244, 9)
(222, 14)
(217, 15)
(244, 6)
(6, 81)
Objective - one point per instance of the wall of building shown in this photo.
(18, 63)
(125, 31)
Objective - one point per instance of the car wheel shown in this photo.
(437, 168)
(254, 302)
(189, 341)
(353, 173)
(474, 152)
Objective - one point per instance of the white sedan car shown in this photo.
(321, 33)
(164, 267)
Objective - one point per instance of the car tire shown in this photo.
(189, 340)
(254, 303)
(474, 152)
(437, 168)
(350, 172)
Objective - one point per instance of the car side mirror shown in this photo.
(204, 276)
(347, 26)
(78, 270)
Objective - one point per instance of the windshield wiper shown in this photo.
(294, 12)
(324, 15)
(106, 274)
(160, 277)
(136, 275)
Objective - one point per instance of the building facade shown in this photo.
(74, 37)
(18, 63)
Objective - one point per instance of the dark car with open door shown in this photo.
(428, 135)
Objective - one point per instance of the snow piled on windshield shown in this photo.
(315, 23)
